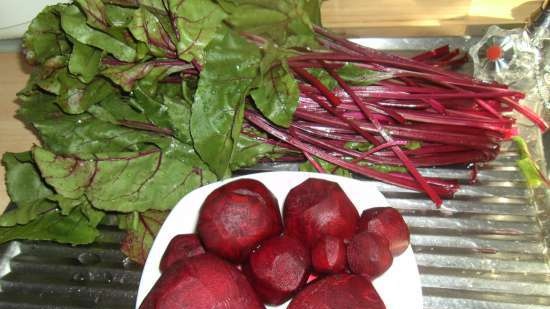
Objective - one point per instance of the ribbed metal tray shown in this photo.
(486, 248)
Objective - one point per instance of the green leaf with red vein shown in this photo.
(119, 16)
(252, 146)
(125, 182)
(52, 225)
(287, 22)
(142, 228)
(44, 38)
(217, 112)
(84, 61)
(127, 75)
(23, 181)
(74, 25)
(277, 93)
(197, 23)
(146, 27)
(74, 96)
(95, 13)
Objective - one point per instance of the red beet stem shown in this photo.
(543, 126)
(436, 105)
(431, 54)
(334, 101)
(378, 148)
(387, 136)
(314, 163)
(403, 181)
(474, 141)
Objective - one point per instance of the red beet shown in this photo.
(236, 217)
(369, 254)
(247, 185)
(181, 247)
(329, 255)
(278, 268)
(338, 292)
(202, 282)
(387, 222)
(316, 208)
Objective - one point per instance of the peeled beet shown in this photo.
(247, 185)
(181, 247)
(329, 255)
(236, 217)
(316, 208)
(278, 268)
(202, 282)
(369, 255)
(342, 291)
(387, 222)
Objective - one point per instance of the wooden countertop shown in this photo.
(14, 137)
(423, 17)
(350, 17)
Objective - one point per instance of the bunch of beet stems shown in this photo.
(455, 118)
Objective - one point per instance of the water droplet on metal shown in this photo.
(79, 277)
(108, 277)
(88, 258)
(127, 262)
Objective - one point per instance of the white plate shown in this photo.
(399, 287)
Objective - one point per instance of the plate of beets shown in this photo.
(282, 240)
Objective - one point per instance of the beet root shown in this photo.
(337, 292)
(387, 222)
(236, 217)
(181, 247)
(369, 255)
(202, 282)
(316, 208)
(329, 255)
(247, 186)
(278, 268)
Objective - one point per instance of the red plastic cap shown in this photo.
(494, 52)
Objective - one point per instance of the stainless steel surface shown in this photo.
(416, 43)
(485, 249)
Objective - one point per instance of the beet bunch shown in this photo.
(245, 255)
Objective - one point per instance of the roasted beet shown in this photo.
(369, 254)
(202, 282)
(338, 292)
(181, 247)
(278, 268)
(387, 222)
(236, 217)
(329, 255)
(316, 208)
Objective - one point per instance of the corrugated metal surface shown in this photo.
(486, 248)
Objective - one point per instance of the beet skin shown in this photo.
(387, 222)
(329, 255)
(202, 282)
(236, 217)
(316, 208)
(338, 292)
(369, 255)
(181, 247)
(278, 269)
